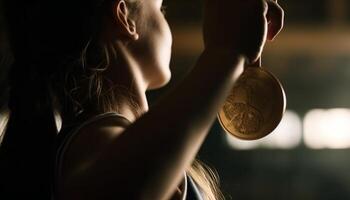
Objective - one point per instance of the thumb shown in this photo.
(275, 18)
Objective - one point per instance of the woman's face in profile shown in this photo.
(153, 49)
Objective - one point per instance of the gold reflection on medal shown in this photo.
(255, 105)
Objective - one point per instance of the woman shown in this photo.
(92, 61)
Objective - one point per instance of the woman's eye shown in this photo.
(163, 9)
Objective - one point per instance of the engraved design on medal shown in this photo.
(244, 118)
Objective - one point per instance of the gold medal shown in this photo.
(255, 105)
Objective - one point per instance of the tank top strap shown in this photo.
(193, 192)
(67, 134)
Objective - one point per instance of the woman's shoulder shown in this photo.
(106, 124)
(85, 141)
(100, 127)
(95, 129)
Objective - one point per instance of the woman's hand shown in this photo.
(241, 26)
(275, 19)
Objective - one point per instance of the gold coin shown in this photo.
(255, 105)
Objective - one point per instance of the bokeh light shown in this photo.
(327, 129)
(287, 135)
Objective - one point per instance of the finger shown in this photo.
(275, 17)
(256, 63)
(260, 34)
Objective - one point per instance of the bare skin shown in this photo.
(147, 160)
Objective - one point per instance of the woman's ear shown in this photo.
(126, 27)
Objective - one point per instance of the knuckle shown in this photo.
(261, 5)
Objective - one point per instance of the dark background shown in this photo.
(308, 156)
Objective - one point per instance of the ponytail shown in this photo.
(26, 149)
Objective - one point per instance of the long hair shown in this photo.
(45, 37)
(58, 66)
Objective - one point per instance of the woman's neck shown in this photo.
(132, 106)
(128, 83)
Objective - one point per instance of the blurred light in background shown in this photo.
(287, 135)
(327, 129)
(58, 120)
(4, 116)
(238, 144)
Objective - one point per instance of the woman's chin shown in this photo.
(161, 81)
